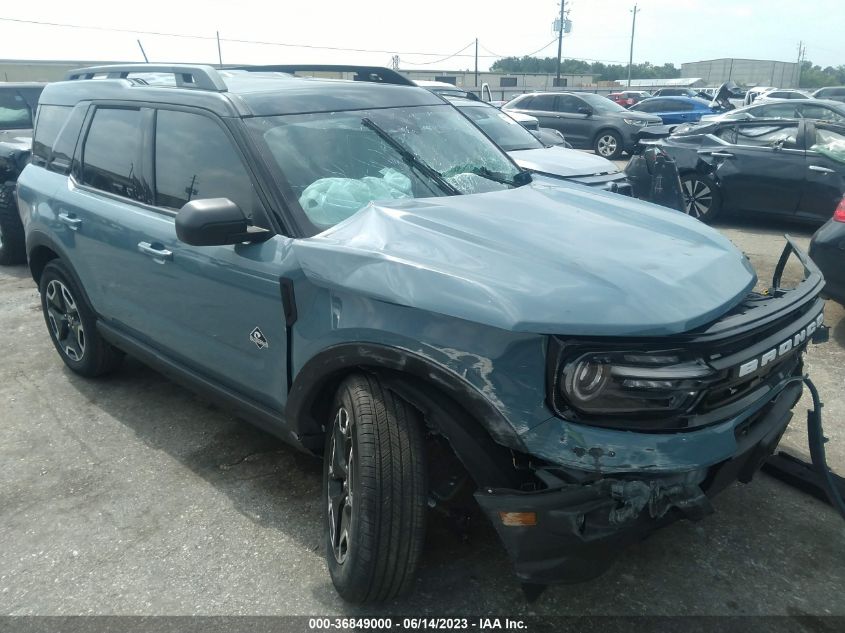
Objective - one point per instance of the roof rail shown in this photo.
(375, 74)
(187, 75)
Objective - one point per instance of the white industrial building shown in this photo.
(744, 72)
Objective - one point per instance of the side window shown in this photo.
(810, 111)
(569, 104)
(543, 102)
(49, 122)
(524, 102)
(652, 105)
(681, 106)
(111, 154)
(777, 110)
(15, 112)
(783, 134)
(194, 158)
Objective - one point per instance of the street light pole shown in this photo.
(631, 53)
(560, 41)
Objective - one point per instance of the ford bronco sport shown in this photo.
(358, 269)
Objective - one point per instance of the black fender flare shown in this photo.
(39, 239)
(480, 435)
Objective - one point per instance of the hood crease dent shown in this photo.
(544, 259)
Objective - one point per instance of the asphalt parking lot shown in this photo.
(129, 495)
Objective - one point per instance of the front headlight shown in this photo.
(637, 122)
(631, 383)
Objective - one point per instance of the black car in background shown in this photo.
(791, 168)
(827, 250)
(18, 105)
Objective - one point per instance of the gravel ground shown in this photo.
(129, 495)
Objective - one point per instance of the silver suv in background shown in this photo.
(587, 120)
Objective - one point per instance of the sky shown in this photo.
(422, 33)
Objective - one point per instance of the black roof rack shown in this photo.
(375, 74)
(187, 75)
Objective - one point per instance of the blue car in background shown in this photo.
(675, 110)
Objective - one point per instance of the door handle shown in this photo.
(72, 222)
(722, 155)
(821, 170)
(159, 255)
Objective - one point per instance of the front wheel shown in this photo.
(608, 144)
(702, 199)
(374, 491)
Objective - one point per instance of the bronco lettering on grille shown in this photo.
(795, 341)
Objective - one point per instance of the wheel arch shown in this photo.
(477, 432)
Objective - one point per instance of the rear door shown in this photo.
(824, 184)
(676, 111)
(760, 166)
(577, 127)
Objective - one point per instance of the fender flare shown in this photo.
(480, 435)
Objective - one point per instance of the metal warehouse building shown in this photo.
(745, 72)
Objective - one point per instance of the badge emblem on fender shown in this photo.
(257, 337)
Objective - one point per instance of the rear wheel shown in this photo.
(702, 199)
(73, 325)
(608, 144)
(374, 491)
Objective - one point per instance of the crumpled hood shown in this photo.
(560, 161)
(553, 259)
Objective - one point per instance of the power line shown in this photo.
(443, 56)
(437, 61)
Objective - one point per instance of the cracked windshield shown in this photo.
(374, 155)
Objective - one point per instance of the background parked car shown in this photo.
(675, 92)
(675, 110)
(783, 94)
(820, 109)
(587, 120)
(827, 250)
(770, 166)
(755, 92)
(531, 154)
(629, 97)
(837, 93)
(18, 104)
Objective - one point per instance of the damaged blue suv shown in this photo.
(358, 269)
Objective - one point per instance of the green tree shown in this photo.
(599, 70)
(814, 76)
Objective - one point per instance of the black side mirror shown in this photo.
(585, 110)
(215, 222)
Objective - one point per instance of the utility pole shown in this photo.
(560, 40)
(219, 52)
(801, 50)
(476, 62)
(631, 53)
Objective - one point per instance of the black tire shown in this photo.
(608, 144)
(702, 198)
(72, 324)
(375, 557)
(12, 244)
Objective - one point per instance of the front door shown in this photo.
(216, 310)
(760, 167)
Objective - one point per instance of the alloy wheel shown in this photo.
(698, 198)
(341, 485)
(606, 145)
(63, 315)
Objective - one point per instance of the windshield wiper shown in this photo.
(522, 177)
(409, 157)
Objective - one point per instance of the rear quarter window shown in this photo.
(50, 120)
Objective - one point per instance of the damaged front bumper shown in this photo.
(573, 532)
